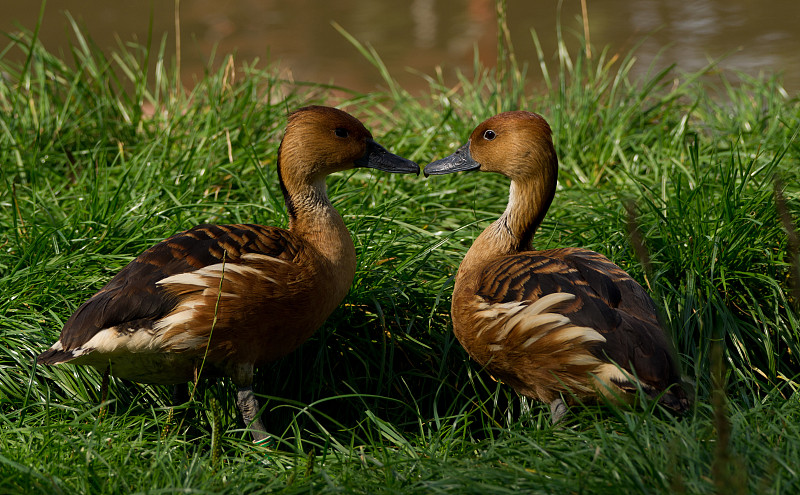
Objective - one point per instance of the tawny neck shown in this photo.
(528, 202)
(315, 220)
(511, 233)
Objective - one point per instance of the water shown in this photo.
(421, 35)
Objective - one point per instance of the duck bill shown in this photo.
(459, 161)
(379, 158)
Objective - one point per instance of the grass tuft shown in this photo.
(100, 157)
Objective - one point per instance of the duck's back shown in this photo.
(543, 321)
(231, 290)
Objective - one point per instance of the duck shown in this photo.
(557, 325)
(225, 299)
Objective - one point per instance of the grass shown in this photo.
(101, 157)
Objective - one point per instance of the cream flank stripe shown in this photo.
(110, 341)
(536, 319)
(207, 278)
(519, 316)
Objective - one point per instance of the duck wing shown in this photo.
(137, 296)
(607, 312)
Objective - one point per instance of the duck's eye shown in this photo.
(489, 135)
(341, 132)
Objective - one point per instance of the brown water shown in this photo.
(419, 35)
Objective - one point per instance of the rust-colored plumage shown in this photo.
(234, 296)
(554, 323)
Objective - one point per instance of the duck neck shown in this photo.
(313, 217)
(512, 233)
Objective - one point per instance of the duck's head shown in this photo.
(516, 144)
(322, 140)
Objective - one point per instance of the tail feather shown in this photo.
(54, 355)
(676, 397)
(675, 401)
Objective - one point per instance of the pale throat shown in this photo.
(509, 234)
(528, 202)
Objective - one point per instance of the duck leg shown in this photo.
(248, 406)
(246, 401)
(557, 410)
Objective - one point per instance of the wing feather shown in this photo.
(606, 300)
(138, 291)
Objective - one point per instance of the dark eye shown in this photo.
(489, 135)
(341, 132)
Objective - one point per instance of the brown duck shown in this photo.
(230, 297)
(558, 323)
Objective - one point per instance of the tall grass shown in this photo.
(100, 157)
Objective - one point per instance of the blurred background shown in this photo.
(419, 35)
